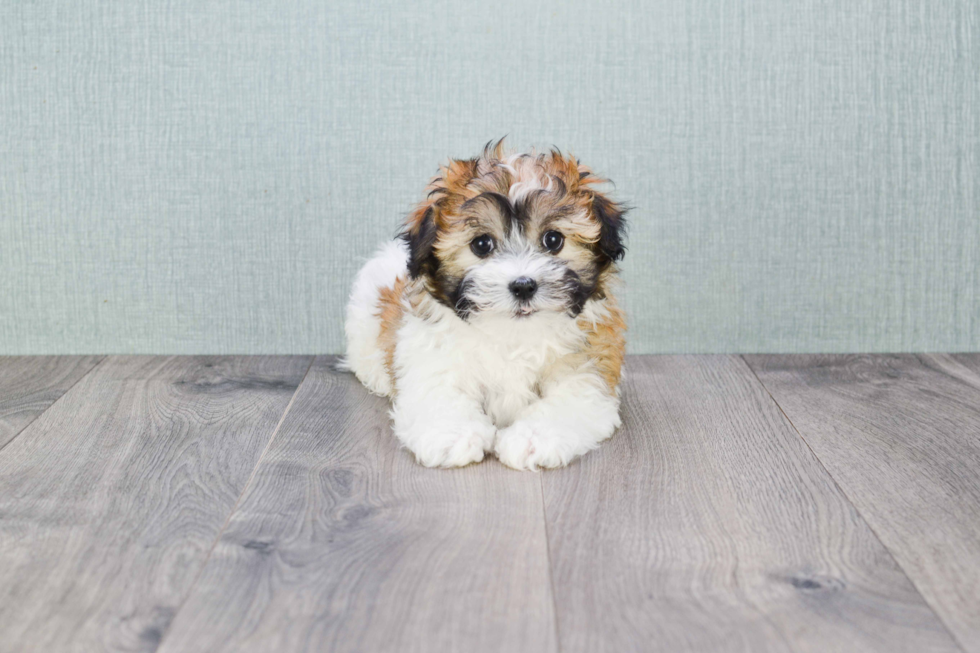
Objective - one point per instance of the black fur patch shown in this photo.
(579, 292)
(497, 200)
(459, 302)
(612, 228)
(421, 258)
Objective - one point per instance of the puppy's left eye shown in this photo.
(482, 245)
(552, 241)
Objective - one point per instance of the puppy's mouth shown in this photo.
(524, 312)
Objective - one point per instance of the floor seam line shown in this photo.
(39, 415)
(551, 571)
(844, 494)
(248, 483)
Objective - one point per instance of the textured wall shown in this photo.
(205, 176)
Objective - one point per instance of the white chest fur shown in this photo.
(500, 362)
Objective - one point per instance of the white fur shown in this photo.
(362, 326)
(495, 382)
(528, 178)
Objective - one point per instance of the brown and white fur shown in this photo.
(517, 350)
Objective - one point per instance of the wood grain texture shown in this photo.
(706, 524)
(111, 500)
(970, 361)
(901, 435)
(30, 384)
(343, 542)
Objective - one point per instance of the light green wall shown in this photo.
(206, 176)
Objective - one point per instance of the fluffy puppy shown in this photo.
(492, 322)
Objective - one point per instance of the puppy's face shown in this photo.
(514, 236)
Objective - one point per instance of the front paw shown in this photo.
(532, 445)
(451, 445)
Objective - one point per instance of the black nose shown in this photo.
(523, 288)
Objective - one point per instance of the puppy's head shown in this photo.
(514, 235)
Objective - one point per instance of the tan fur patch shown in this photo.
(606, 343)
(390, 312)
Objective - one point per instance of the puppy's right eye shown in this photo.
(482, 245)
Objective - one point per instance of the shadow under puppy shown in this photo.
(492, 322)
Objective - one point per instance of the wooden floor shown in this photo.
(758, 503)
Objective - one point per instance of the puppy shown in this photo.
(492, 321)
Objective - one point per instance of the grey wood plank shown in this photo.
(343, 542)
(706, 524)
(969, 361)
(901, 435)
(111, 500)
(30, 384)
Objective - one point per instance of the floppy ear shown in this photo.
(420, 234)
(612, 226)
